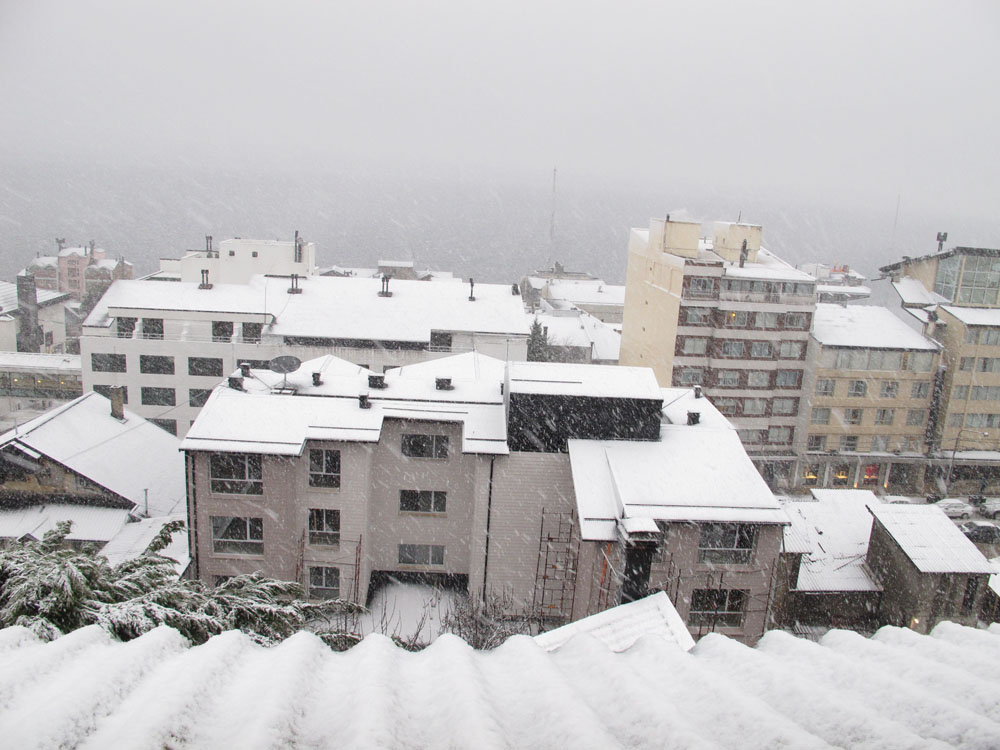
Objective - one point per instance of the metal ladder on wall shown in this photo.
(555, 572)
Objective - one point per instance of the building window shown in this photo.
(727, 378)
(721, 608)
(920, 389)
(911, 443)
(251, 332)
(966, 363)
(324, 583)
(170, 425)
(151, 364)
(779, 435)
(157, 397)
(960, 392)
(324, 468)
(105, 390)
(737, 319)
(750, 437)
(841, 475)
(125, 327)
(691, 376)
(422, 501)
(694, 346)
(825, 386)
(849, 443)
(236, 535)
(697, 316)
(758, 379)
(107, 362)
(754, 406)
(441, 341)
(222, 330)
(884, 416)
(816, 443)
(879, 443)
(207, 366)
(820, 415)
(701, 287)
(810, 474)
(853, 416)
(198, 396)
(726, 406)
(152, 328)
(784, 406)
(791, 349)
(727, 543)
(796, 320)
(765, 320)
(915, 417)
(788, 378)
(732, 349)
(857, 388)
(324, 526)
(889, 389)
(236, 473)
(421, 554)
(425, 446)
(761, 349)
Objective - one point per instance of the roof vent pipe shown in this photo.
(697, 391)
(117, 393)
(317, 380)
(295, 288)
(208, 244)
(694, 417)
(376, 381)
(384, 291)
(245, 369)
(472, 290)
(236, 382)
(443, 384)
(743, 253)
(363, 401)
(204, 280)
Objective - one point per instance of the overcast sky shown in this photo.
(854, 97)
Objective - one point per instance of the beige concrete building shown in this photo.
(569, 487)
(872, 408)
(725, 314)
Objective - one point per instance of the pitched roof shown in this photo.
(929, 538)
(90, 523)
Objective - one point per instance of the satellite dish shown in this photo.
(284, 364)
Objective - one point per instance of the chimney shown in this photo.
(363, 401)
(236, 382)
(295, 288)
(443, 384)
(117, 393)
(317, 380)
(245, 369)
(208, 244)
(743, 253)
(385, 287)
(515, 290)
(697, 391)
(376, 381)
(694, 417)
(204, 280)
(472, 289)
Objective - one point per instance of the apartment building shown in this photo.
(33, 319)
(170, 342)
(556, 483)
(725, 314)
(873, 409)
(79, 271)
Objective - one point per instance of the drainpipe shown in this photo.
(489, 512)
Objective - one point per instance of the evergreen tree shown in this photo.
(538, 343)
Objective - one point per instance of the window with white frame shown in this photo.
(779, 435)
(324, 468)
(324, 582)
(692, 345)
(787, 378)
(754, 406)
(726, 406)
(718, 608)
(727, 543)
(761, 349)
(796, 320)
(791, 349)
(691, 376)
(820, 415)
(727, 378)
(889, 388)
(698, 316)
(857, 388)
(784, 405)
(849, 443)
(421, 554)
(825, 386)
(737, 319)
(919, 361)
(816, 443)
(920, 389)
(732, 348)
(422, 501)
(966, 363)
(324, 526)
(750, 437)
(765, 320)
(236, 473)
(884, 416)
(425, 446)
(853, 416)
(238, 535)
(758, 379)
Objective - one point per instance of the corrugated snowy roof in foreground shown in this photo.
(620, 627)
(865, 326)
(929, 538)
(897, 690)
(90, 523)
(127, 457)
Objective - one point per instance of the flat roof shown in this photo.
(66, 363)
(974, 316)
(865, 326)
(929, 538)
(597, 381)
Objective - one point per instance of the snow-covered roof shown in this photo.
(127, 457)
(65, 363)
(596, 381)
(865, 326)
(90, 523)
(838, 526)
(975, 316)
(133, 539)
(929, 538)
(581, 329)
(677, 402)
(842, 290)
(693, 473)
(329, 306)
(585, 291)
(620, 627)
(8, 296)
(68, 251)
(898, 689)
(44, 261)
(914, 294)
(768, 266)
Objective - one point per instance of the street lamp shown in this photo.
(954, 449)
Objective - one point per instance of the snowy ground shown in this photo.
(409, 611)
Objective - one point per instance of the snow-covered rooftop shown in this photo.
(620, 627)
(865, 326)
(581, 329)
(975, 316)
(929, 538)
(678, 402)
(127, 457)
(90, 523)
(597, 381)
(693, 473)
(838, 526)
(8, 296)
(329, 306)
(66, 363)
(133, 539)
(767, 267)
(914, 294)
(585, 291)
(898, 690)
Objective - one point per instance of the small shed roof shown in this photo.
(89, 523)
(929, 538)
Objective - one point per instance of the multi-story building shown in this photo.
(32, 319)
(872, 403)
(730, 316)
(569, 487)
(80, 271)
(170, 342)
(837, 283)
